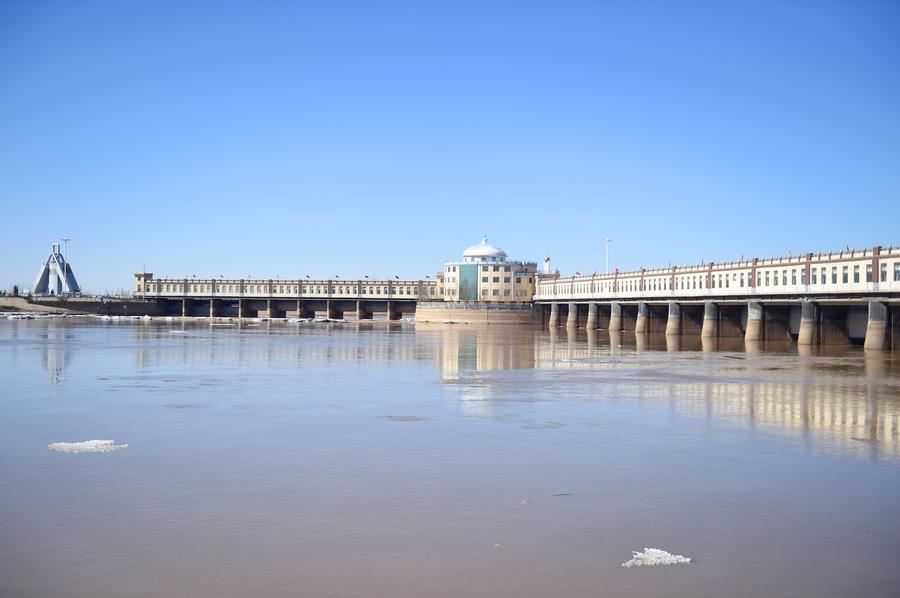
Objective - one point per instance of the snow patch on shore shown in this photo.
(88, 446)
(652, 557)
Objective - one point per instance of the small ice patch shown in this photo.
(654, 556)
(88, 446)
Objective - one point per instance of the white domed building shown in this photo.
(485, 275)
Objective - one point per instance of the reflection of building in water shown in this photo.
(846, 405)
(213, 344)
(479, 349)
(56, 355)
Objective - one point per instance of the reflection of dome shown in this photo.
(484, 251)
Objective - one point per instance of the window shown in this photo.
(496, 293)
(484, 279)
(846, 274)
(506, 292)
(814, 277)
(834, 275)
(742, 279)
(784, 277)
(802, 276)
(896, 271)
(794, 276)
(496, 279)
(496, 268)
(484, 268)
(484, 292)
(506, 279)
(855, 273)
(726, 281)
(883, 272)
(774, 277)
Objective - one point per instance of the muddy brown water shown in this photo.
(386, 459)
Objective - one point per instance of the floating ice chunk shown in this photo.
(146, 318)
(88, 446)
(654, 556)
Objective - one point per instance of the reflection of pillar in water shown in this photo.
(591, 338)
(872, 418)
(673, 343)
(554, 316)
(640, 342)
(753, 346)
(554, 337)
(615, 342)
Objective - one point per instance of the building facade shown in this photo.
(486, 275)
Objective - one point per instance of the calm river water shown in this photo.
(394, 460)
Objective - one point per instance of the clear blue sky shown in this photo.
(325, 138)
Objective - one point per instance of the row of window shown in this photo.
(506, 279)
(767, 278)
(251, 289)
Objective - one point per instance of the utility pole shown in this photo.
(66, 259)
(606, 242)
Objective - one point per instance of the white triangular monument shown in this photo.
(56, 276)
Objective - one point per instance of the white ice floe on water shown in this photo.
(654, 556)
(88, 446)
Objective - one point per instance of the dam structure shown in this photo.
(845, 297)
(842, 297)
(275, 298)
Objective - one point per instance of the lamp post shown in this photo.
(606, 242)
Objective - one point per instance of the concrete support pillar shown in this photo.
(360, 311)
(710, 328)
(615, 316)
(572, 319)
(184, 308)
(329, 309)
(673, 321)
(212, 308)
(593, 316)
(240, 308)
(268, 308)
(643, 318)
(754, 331)
(390, 311)
(554, 315)
(876, 328)
(809, 320)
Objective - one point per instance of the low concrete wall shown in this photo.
(469, 313)
(81, 305)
